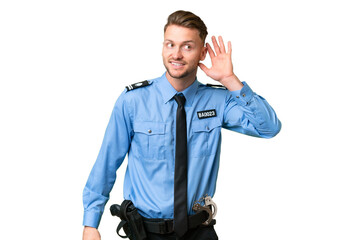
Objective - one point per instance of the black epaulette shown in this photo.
(137, 85)
(216, 86)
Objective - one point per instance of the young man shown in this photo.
(170, 127)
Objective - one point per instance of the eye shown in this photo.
(187, 47)
(169, 45)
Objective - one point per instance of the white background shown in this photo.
(64, 63)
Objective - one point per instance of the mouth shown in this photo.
(177, 65)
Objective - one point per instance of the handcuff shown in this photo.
(208, 206)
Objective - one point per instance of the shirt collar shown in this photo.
(168, 91)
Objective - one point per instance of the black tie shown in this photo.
(180, 181)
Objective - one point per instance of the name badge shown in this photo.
(206, 114)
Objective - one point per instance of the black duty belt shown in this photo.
(165, 226)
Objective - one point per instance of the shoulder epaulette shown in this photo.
(216, 86)
(137, 85)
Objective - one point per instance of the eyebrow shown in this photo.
(188, 41)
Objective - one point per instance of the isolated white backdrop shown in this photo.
(64, 63)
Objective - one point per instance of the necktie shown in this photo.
(180, 180)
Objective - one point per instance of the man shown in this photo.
(170, 127)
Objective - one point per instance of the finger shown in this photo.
(222, 46)
(204, 68)
(211, 52)
(216, 46)
(229, 48)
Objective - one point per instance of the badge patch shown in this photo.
(206, 114)
(137, 85)
(216, 86)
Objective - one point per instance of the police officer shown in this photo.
(145, 124)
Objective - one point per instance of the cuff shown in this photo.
(244, 95)
(92, 219)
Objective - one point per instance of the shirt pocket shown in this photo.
(149, 140)
(205, 136)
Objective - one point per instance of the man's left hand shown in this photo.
(222, 68)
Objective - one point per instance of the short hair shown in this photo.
(188, 20)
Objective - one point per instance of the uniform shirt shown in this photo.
(143, 124)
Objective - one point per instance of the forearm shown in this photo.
(232, 83)
(248, 113)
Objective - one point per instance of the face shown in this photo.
(182, 51)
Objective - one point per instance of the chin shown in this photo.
(180, 75)
(176, 74)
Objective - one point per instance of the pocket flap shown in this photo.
(149, 128)
(206, 125)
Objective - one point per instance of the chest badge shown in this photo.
(206, 114)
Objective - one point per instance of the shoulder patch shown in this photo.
(138, 85)
(216, 86)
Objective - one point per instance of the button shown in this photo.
(244, 95)
(149, 131)
(207, 128)
(237, 96)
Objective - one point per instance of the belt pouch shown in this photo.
(132, 221)
(136, 225)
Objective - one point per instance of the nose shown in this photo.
(177, 54)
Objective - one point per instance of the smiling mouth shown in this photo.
(177, 64)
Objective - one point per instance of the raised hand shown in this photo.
(222, 68)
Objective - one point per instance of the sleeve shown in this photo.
(248, 113)
(102, 177)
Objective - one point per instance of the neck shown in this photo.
(180, 84)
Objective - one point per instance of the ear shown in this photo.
(203, 53)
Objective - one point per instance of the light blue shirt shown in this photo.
(143, 124)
